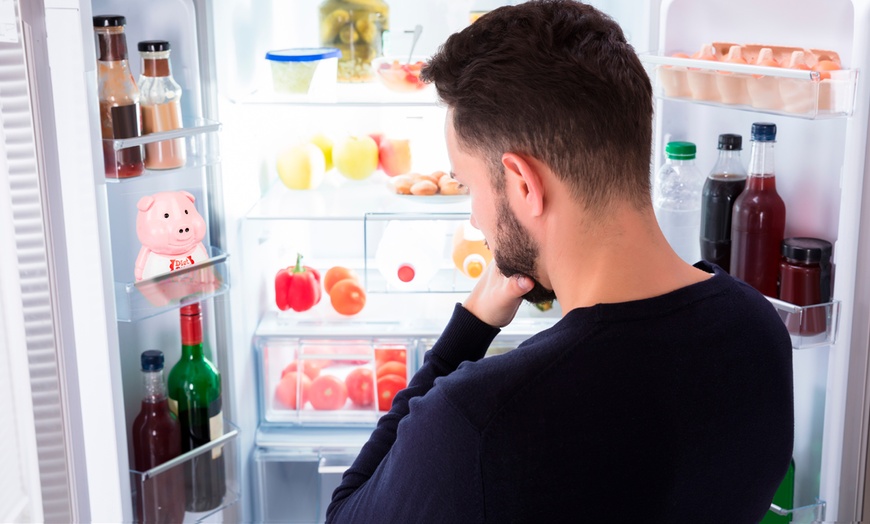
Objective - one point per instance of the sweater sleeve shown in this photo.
(464, 338)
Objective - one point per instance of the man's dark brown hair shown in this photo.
(555, 80)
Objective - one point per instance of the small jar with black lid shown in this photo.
(805, 280)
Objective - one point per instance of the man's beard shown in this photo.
(517, 252)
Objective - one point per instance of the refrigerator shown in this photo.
(75, 320)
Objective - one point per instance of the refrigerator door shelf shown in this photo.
(371, 94)
(809, 326)
(199, 137)
(802, 515)
(146, 298)
(338, 380)
(154, 486)
(780, 91)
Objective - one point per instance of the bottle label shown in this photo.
(216, 430)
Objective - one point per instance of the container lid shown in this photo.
(153, 46)
(807, 250)
(152, 360)
(109, 21)
(680, 150)
(730, 142)
(764, 131)
(303, 54)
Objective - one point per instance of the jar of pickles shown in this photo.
(356, 28)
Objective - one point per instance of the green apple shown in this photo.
(356, 157)
(325, 144)
(301, 166)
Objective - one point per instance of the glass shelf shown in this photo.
(201, 147)
(147, 298)
(164, 484)
(371, 94)
(348, 200)
(774, 90)
(809, 326)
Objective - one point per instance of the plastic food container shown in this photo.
(297, 70)
(400, 75)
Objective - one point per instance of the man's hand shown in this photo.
(496, 298)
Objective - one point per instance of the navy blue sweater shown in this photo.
(677, 408)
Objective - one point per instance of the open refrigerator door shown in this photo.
(719, 69)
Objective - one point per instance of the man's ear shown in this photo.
(524, 179)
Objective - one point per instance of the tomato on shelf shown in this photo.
(361, 387)
(327, 392)
(348, 297)
(388, 386)
(311, 368)
(392, 367)
(335, 275)
(390, 353)
(287, 390)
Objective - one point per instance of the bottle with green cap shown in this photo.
(677, 200)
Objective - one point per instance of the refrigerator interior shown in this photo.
(257, 225)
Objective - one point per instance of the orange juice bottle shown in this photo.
(470, 254)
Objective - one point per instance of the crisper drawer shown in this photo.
(296, 473)
(310, 381)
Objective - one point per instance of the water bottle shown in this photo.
(677, 200)
(410, 252)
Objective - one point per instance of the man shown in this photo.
(664, 394)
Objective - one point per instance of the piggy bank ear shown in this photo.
(188, 195)
(145, 203)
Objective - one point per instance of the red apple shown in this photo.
(395, 156)
(377, 137)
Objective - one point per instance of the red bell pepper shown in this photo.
(297, 287)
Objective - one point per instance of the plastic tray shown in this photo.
(199, 142)
(809, 326)
(793, 92)
(147, 298)
(167, 481)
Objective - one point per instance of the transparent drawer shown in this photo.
(331, 382)
(295, 473)
(809, 326)
(185, 489)
(149, 297)
(793, 92)
(423, 242)
(197, 139)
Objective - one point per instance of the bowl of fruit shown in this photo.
(399, 73)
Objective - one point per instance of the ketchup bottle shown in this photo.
(758, 221)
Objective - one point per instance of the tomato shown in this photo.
(327, 392)
(388, 386)
(361, 387)
(337, 274)
(347, 297)
(286, 392)
(311, 368)
(392, 368)
(392, 353)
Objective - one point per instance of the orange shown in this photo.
(336, 274)
(347, 296)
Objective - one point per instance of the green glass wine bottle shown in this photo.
(784, 498)
(195, 398)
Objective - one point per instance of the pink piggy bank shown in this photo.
(171, 232)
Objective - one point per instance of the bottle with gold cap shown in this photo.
(470, 254)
